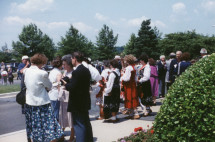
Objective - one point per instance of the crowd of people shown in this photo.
(61, 98)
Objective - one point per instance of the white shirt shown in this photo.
(36, 80)
(146, 74)
(109, 84)
(105, 73)
(95, 75)
(127, 75)
(53, 93)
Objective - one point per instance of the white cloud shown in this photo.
(136, 21)
(14, 20)
(179, 8)
(158, 23)
(32, 6)
(82, 27)
(101, 17)
(17, 20)
(208, 6)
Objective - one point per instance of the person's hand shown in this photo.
(27, 63)
(63, 82)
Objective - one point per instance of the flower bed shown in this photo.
(139, 135)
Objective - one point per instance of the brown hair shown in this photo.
(39, 59)
(57, 62)
(151, 62)
(114, 63)
(185, 56)
(130, 59)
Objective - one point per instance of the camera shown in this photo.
(66, 79)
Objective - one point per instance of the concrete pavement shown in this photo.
(102, 132)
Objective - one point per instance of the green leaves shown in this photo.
(188, 111)
(31, 41)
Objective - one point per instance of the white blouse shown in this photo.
(146, 74)
(105, 73)
(36, 81)
(95, 75)
(109, 84)
(127, 75)
(53, 93)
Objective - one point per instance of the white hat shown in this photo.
(203, 51)
(24, 57)
(117, 57)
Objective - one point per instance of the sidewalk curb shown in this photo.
(8, 93)
(12, 133)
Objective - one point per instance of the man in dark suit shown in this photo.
(161, 75)
(79, 99)
(173, 67)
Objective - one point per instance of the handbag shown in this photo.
(20, 97)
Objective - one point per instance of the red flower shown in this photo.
(152, 131)
(138, 129)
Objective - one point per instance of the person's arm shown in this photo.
(154, 72)
(146, 74)
(21, 71)
(109, 84)
(59, 76)
(46, 82)
(73, 81)
(127, 75)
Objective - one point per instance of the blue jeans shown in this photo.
(82, 126)
(55, 108)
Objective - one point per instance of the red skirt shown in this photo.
(131, 97)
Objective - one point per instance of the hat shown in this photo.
(172, 54)
(203, 51)
(24, 57)
(117, 57)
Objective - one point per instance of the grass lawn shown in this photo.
(9, 88)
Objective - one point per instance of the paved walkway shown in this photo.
(102, 132)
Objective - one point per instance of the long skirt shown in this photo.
(41, 125)
(131, 96)
(147, 99)
(111, 103)
(65, 118)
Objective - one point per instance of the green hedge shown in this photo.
(188, 111)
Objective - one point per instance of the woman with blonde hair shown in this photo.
(129, 83)
(41, 125)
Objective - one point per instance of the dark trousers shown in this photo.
(82, 126)
(162, 87)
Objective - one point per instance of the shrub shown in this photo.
(188, 111)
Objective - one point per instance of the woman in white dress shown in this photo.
(54, 76)
(65, 118)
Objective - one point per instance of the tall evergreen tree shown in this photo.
(75, 41)
(106, 42)
(130, 47)
(147, 40)
(31, 41)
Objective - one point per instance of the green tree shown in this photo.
(188, 41)
(31, 41)
(130, 47)
(106, 42)
(75, 41)
(5, 55)
(147, 40)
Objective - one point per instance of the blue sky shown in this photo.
(54, 17)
